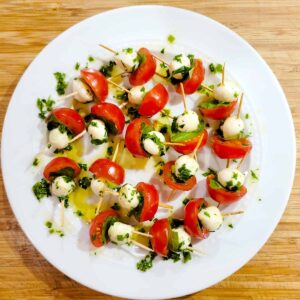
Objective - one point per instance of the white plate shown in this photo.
(112, 271)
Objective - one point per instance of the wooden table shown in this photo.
(272, 27)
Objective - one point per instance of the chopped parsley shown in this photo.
(185, 201)
(84, 182)
(215, 68)
(35, 162)
(147, 262)
(82, 166)
(213, 103)
(77, 66)
(209, 172)
(230, 225)
(41, 189)
(52, 230)
(247, 116)
(115, 206)
(121, 237)
(79, 213)
(44, 106)
(91, 58)
(162, 51)
(61, 151)
(107, 69)
(99, 142)
(61, 84)
(184, 173)
(64, 200)
(171, 38)
(254, 176)
(187, 256)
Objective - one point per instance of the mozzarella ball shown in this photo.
(185, 167)
(98, 186)
(84, 93)
(137, 94)
(127, 59)
(120, 233)
(62, 186)
(184, 239)
(224, 93)
(154, 143)
(231, 178)
(128, 197)
(188, 121)
(97, 130)
(58, 139)
(232, 127)
(211, 218)
(178, 62)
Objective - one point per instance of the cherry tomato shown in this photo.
(97, 82)
(154, 101)
(97, 236)
(190, 145)
(219, 112)
(191, 84)
(70, 118)
(191, 222)
(111, 115)
(222, 195)
(160, 236)
(145, 70)
(106, 169)
(231, 149)
(60, 166)
(133, 137)
(170, 181)
(151, 200)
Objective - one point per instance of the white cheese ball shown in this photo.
(211, 218)
(58, 139)
(232, 127)
(224, 93)
(120, 233)
(178, 62)
(62, 186)
(185, 165)
(231, 178)
(97, 130)
(98, 186)
(183, 238)
(84, 93)
(128, 197)
(188, 121)
(127, 59)
(154, 143)
(137, 94)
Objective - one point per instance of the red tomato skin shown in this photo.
(154, 101)
(230, 149)
(59, 163)
(219, 113)
(133, 137)
(191, 84)
(168, 180)
(223, 196)
(110, 112)
(191, 144)
(145, 70)
(151, 200)
(191, 222)
(70, 118)
(160, 236)
(106, 169)
(96, 225)
(96, 81)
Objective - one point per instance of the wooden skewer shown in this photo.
(116, 152)
(167, 206)
(241, 161)
(207, 88)
(62, 213)
(240, 105)
(161, 60)
(111, 192)
(195, 250)
(171, 195)
(108, 49)
(121, 106)
(223, 74)
(233, 213)
(118, 86)
(142, 233)
(67, 96)
(77, 136)
(99, 204)
(228, 163)
(183, 95)
(118, 75)
(173, 144)
(197, 146)
(141, 246)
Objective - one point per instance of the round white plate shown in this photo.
(112, 270)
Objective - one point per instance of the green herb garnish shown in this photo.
(84, 182)
(107, 69)
(61, 85)
(41, 189)
(146, 263)
(44, 106)
(215, 68)
(171, 38)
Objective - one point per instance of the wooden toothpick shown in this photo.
(183, 96)
(240, 105)
(233, 213)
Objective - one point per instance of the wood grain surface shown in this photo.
(272, 27)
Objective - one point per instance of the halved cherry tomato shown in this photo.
(231, 149)
(96, 227)
(191, 84)
(222, 195)
(219, 112)
(60, 166)
(111, 115)
(190, 145)
(191, 222)
(145, 70)
(96, 81)
(154, 101)
(160, 236)
(133, 137)
(70, 118)
(106, 169)
(170, 181)
(151, 200)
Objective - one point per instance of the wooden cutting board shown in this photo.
(272, 27)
